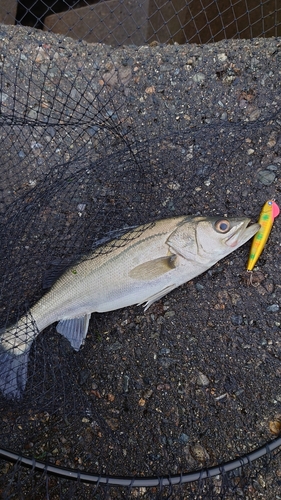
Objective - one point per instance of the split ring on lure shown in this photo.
(269, 211)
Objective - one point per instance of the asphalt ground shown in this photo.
(95, 139)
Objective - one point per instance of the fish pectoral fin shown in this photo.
(74, 330)
(157, 296)
(153, 268)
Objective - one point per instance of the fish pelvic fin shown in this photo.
(153, 298)
(74, 330)
(15, 343)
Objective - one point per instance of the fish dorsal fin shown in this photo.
(56, 269)
(53, 274)
(153, 268)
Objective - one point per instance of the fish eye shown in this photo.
(222, 226)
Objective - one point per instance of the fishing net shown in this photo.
(181, 400)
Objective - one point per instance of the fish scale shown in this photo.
(140, 267)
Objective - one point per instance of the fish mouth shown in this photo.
(241, 233)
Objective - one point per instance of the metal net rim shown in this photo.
(141, 481)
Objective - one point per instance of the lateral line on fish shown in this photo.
(104, 284)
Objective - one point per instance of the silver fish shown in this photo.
(140, 267)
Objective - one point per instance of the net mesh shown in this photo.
(97, 140)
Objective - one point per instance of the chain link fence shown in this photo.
(117, 22)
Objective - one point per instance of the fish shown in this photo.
(139, 267)
(269, 212)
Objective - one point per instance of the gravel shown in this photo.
(95, 139)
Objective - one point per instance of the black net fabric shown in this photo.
(127, 22)
(98, 142)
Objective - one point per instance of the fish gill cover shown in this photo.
(95, 140)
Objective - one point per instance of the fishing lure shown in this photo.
(269, 211)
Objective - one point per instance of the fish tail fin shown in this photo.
(15, 343)
(13, 373)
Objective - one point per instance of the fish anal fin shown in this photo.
(74, 330)
(153, 268)
(157, 296)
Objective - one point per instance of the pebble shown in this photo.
(202, 380)
(74, 94)
(33, 113)
(236, 320)
(273, 308)
(164, 350)
(199, 453)
(183, 438)
(199, 287)
(93, 130)
(111, 114)
(113, 423)
(147, 394)
(199, 77)
(239, 392)
(3, 97)
(254, 115)
(126, 380)
(272, 167)
(165, 362)
(222, 57)
(202, 172)
(81, 207)
(266, 177)
(115, 346)
(51, 131)
(153, 457)
(169, 314)
(221, 397)
(174, 186)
